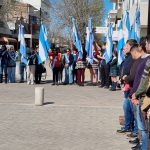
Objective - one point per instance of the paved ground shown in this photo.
(73, 118)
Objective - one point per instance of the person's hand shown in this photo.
(148, 113)
(66, 65)
(135, 101)
(124, 77)
(133, 96)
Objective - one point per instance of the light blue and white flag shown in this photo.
(76, 39)
(136, 27)
(44, 44)
(120, 43)
(23, 50)
(89, 42)
(127, 26)
(109, 43)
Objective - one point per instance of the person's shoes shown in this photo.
(64, 83)
(21, 81)
(132, 135)
(53, 83)
(28, 82)
(123, 131)
(101, 86)
(106, 87)
(135, 141)
(32, 83)
(136, 147)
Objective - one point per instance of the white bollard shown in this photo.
(39, 96)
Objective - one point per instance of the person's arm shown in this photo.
(130, 78)
(113, 62)
(144, 80)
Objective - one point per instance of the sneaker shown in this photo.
(28, 82)
(32, 83)
(123, 131)
(132, 135)
(135, 141)
(136, 147)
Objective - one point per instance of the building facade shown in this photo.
(30, 16)
(120, 6)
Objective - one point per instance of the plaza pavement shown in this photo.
(73, 118)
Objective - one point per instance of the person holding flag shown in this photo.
(23, 52)
(109, 44)
(44, 45)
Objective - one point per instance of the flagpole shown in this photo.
(40, 15)
(148, 27)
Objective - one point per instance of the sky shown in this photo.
(107, 4)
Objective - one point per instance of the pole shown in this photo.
(148, 27)
(40, 15)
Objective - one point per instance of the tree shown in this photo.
(81, 10)
(6, 6)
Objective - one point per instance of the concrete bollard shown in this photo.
(39, 96)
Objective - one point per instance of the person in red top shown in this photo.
(55, 61)
(80, 66)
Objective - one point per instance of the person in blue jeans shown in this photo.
(23, 72)
(12, 55)
(124, 72)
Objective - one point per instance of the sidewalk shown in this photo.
(73, 118)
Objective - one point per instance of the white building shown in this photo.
(120, 6)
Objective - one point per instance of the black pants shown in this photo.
(55, 74)
(105, 79)
(74, 73)
(38, 73)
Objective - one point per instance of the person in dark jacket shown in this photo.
(3, 63)
(113, 71)
(105, 78)
(12, 55)
(125, 71)
(39, 67)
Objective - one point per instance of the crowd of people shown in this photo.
(30, 72)
(133, 76)
(135, 79)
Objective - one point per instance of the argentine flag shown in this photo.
(21, 39)
(89, 42)
(44, 44)
(136, 27)
(127, 26)
(76, 39)
(120, 43)
(109, 43)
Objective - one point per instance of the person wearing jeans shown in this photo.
(23, 71)
(12, 55)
